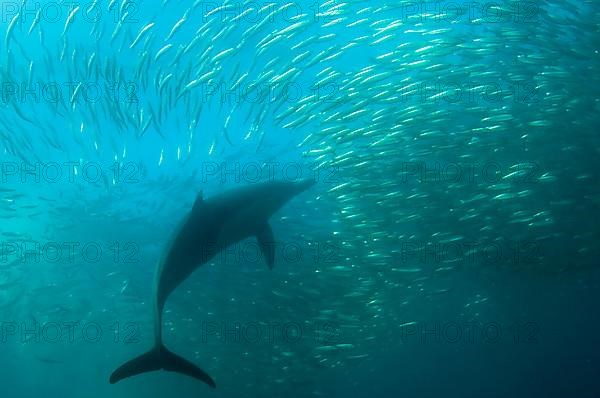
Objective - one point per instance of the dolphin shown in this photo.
(210, 227)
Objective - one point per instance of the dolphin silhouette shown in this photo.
(211, 226)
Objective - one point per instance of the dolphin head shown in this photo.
(282, 191)
(296, 187)
(303, 185)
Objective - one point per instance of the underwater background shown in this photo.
(448, 247)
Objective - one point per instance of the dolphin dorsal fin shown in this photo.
(199, 200)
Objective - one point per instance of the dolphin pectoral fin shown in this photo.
(160, 358)
(266, 242)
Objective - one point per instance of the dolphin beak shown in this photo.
(303, 185)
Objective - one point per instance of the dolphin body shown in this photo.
(211, 226)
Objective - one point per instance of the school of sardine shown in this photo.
(429, 131)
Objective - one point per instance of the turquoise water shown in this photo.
(448, 247)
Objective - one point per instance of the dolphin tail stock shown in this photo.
(160, 358)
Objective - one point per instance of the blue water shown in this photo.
(448, 247)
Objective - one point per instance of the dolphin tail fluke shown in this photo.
(147, 362)
(160, 358)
